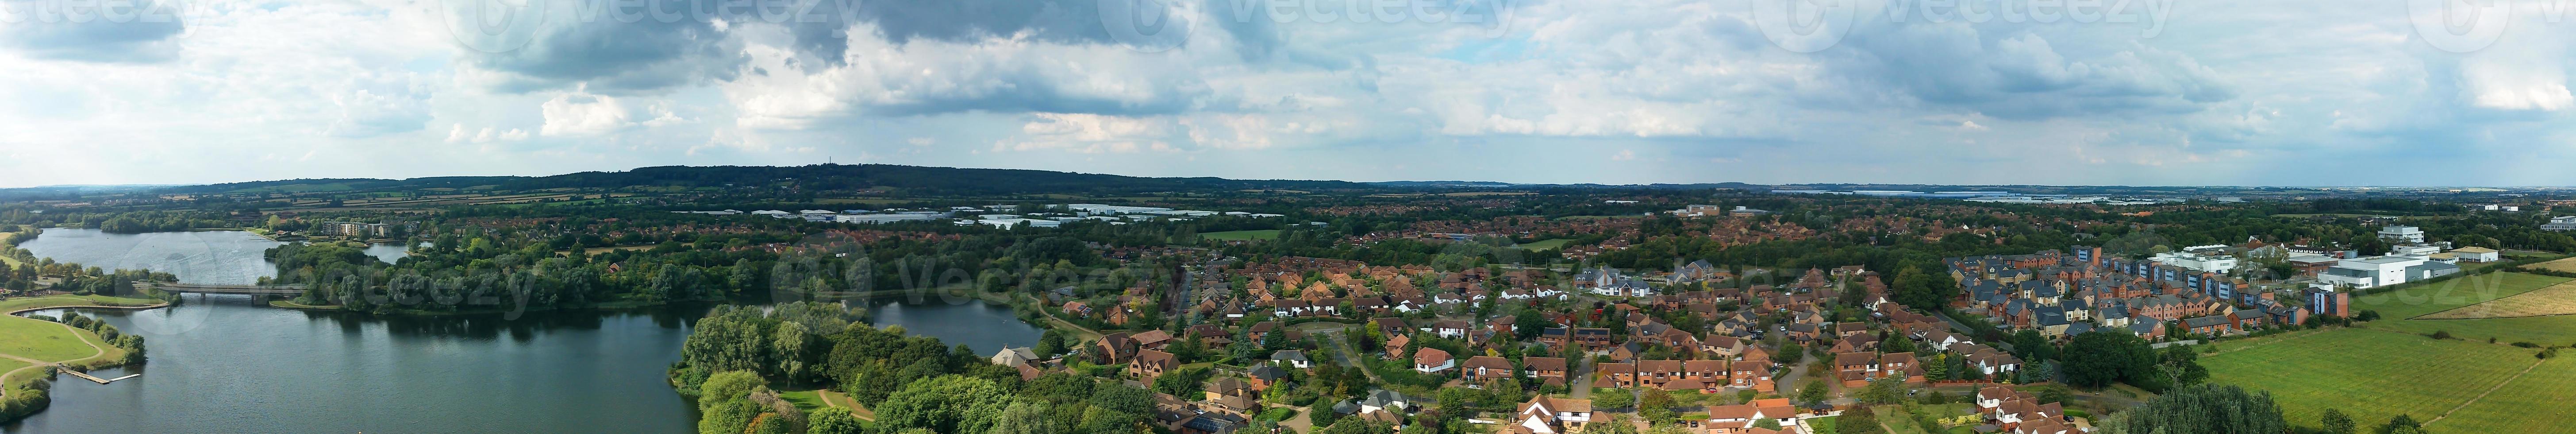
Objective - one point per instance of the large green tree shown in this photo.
(948, 404)
(833, 420)
(2206, 408)
(2096, 360)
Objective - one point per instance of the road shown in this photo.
(1342, 351)
(1970, 331)
(1581, 387)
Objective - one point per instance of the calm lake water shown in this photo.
(389, 252)
(227, 364)
(985, 328)
(196, 257)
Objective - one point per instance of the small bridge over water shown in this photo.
(203, 288)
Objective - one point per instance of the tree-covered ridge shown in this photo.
(919, 179)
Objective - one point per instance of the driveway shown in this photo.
(1581, 388)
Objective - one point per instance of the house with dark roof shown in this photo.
(1292, 358)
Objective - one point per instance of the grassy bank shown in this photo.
(16, 305)
(28, 346)
(1264, 234)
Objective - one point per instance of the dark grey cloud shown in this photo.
(1034, 94)
(611, 56)
(1054, 21)
(2014, 73)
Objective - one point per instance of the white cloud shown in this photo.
(579, 114)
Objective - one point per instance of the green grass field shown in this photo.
(2371, 374)
(2398, 308)
(1264, 234)
(2525, 405)
(299, 188)
(40, 340)
(1893, 419)
(806, 400)
(1545, 244)
(7, 365)
(1821, 424)
(18, 304)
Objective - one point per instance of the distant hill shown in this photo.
(826, 177)
(1491, 184)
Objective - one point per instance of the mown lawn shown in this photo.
(1263, 234)
(7, 365)
(2398, 309)
(806, 400)
(2372, 374)
(2533, 403)
(17, 304)
(40, 340)
(1821, 424)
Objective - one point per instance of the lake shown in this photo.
(228, 364)
(985, 328)
(389, 252)
(196, 257)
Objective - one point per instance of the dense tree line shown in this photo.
(2207, 408)
(914, 384)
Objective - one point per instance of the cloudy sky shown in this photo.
(2139, 92)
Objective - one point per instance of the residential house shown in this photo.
(1485, 369)
(1429, 360)
(1152, 363)
(1549, 370)
(1544, 415)
(1292, 358)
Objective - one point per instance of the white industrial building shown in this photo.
(2401, 234)
(2561, 224)
(2414, 250)
(882, 218)
(1098, 209)
(1015, 222)
(2477, 254)
(2378, 271)
(2206, 262)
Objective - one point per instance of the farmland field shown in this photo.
(1545, 244)
(2400, 310)
(2557, 299)
(2521, 406)
(2567, 265)
(2372, 374)
(1264, 234)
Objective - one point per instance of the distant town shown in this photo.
(1218, 306)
